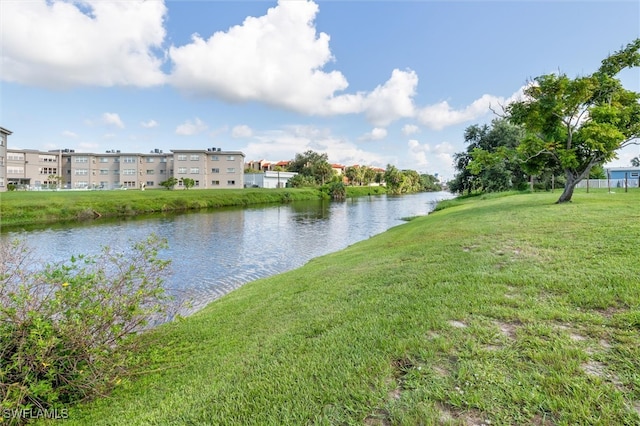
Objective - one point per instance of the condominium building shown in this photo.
(3, 156)
(67, 169)
(210, 168)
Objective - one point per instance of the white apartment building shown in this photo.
(3, 157)
(67, 169)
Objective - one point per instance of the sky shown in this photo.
(367, 82)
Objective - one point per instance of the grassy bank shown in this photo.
(35, 207)
(508, 309)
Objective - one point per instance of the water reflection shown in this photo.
(214, 252)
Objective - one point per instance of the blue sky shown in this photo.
(367, 82)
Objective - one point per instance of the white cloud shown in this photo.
(437, 159)
(57, 44)
(241, 131)
(276, 58)
(285, 143)
(410, 129)
(69, 134)
(383, 105)
(149, 124)
(189, 127)
(393, 99)
(442, 115)
(112, 119)
(376, 134)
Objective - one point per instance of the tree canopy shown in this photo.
(490, 163)
(312, 164)
(576, 124)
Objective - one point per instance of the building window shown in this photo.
(15, 170)
(231, 157)
(116, 172)
(104, 171)
(182, 170)
(48, 171)
(149, 183)
(162, 172)
(182, 157)
(103, 159)
(15, 157)
(150, 159)
(47, 158)
(104, 184)
(195, 170)
(82, 184)
(128, 159)
(634, 174)
(194, 157)
(129, 171)
(231, 170)
(215, 182)
(81, 172)
(214, 158)
(163, 160)
(129, 184)
(231, 182)
(215, 170)
(151, 172)
(81, 159)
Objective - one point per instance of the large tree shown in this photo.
(490, 163)
(578, 123)
(312, 164)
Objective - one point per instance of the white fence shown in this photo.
(608, 183)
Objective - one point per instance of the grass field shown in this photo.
(37, 207)
(20, 208)
(496, 310)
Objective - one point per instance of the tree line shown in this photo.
(314, 170)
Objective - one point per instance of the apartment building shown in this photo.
(67, 169)
(4, 133)
(209, 168)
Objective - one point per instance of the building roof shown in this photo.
(5, 131)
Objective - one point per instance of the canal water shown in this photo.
(213, 252)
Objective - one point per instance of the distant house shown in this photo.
(268, 179)
(624, 176)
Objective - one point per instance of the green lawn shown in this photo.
(501, 309)
(37, 207)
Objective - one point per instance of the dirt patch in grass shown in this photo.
(457, 324)
(508, 329)
(379, 418)
(472, 417)
(598, 369)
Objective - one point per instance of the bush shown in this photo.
(65, 329)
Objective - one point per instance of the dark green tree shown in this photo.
(312, 164)
(490, 163)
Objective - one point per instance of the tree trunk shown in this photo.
(566, 195)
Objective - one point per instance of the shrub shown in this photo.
(65, 329)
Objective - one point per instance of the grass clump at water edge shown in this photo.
(507, 310)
